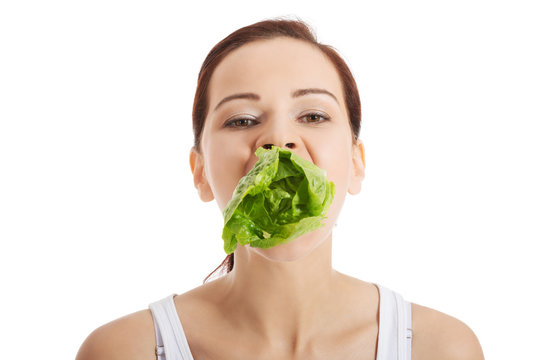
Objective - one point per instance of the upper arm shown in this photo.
(130, 337)
(439, 336)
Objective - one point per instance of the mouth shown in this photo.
(282, 197)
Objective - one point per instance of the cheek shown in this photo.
(335, 158)
(337, 162)
(225, 164)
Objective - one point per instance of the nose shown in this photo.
(288, 145)
(280, 131)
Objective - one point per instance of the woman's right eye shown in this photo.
(240, 123)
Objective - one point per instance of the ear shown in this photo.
(358, 171)
(196, 160)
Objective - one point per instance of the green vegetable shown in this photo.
(282, 197)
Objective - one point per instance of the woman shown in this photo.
(272, 84)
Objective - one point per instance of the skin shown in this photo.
(286, 302)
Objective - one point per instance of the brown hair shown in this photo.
(263, 30)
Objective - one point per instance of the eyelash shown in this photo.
(322, 116)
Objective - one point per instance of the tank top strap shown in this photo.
(169, 335)
(395, 327)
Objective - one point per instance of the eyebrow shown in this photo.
(295, 94)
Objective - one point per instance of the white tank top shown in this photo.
(394, 331)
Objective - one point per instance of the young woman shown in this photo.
(272, 83)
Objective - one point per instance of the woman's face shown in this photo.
(282, 92)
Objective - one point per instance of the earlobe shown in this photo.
(358, 171)
(196, 161)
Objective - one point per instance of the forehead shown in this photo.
(264, 66)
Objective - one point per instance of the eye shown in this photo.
(240, 123)
(315, 118)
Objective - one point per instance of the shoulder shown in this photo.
(439, 336)
(129, 337)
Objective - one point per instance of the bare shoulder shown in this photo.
(129, 337)
(439, 336)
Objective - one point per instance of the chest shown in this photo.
(356, 344)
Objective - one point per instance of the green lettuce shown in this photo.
(283, 196)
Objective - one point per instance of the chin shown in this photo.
(296, 249)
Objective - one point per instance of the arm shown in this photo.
(440, 336)
(130, 337)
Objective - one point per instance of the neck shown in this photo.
(282, 300)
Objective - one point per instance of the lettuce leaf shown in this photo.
(283, 196)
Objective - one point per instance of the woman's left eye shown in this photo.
(315, 118)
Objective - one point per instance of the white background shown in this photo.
(98, 214)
